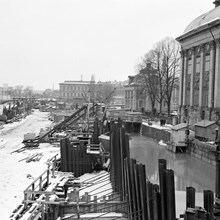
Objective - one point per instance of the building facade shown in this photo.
(200, 68)
(134, 97)
(138, 99)
(77, 92)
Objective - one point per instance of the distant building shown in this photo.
(135, 99)
(5, 93)
(138, 99)
(77, 92)
(200, 67)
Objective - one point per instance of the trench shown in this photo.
(188, 170)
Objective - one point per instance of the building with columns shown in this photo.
(138, 99)
(199, 91)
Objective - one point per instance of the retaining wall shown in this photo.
(203, 151)
(155, 133)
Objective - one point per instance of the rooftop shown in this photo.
(69, 82)
(203, 19)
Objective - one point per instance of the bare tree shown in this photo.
(103, 91)
(170, 68)
(159, 80)
(27, 92)
(18, 90)
(149, 79)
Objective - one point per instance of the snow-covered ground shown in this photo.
(16, 175)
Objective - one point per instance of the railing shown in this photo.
(37, 186)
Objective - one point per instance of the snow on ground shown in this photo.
(161, 142)
(157, 125)
(16, 176)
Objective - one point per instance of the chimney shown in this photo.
(216, 3)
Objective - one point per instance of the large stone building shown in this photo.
(138, 99)
(200, 67)
(77, 92)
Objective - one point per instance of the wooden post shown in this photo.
(162, 180)
(95, 203)
(40, 183)
(32, 188)
(48, 174)
(190, 197)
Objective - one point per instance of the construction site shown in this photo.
(90, 174)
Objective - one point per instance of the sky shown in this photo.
(45, 42)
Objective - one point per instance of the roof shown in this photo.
(203, 19)
(179, 126)
(77, 82)
(204, 123)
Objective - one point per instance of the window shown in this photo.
(140, 103)
(198, 64)
(207, 62)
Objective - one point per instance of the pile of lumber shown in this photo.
(33, 158)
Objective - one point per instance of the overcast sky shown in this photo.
(43, 43)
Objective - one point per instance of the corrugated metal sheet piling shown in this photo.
(74, 157)
(170, 190)
(162, 180)
(190, 197)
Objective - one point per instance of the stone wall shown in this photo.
(155, 133)
(203, 151)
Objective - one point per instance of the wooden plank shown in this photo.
(40, 192)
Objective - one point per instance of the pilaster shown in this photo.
(184, 77)
(192, 77)
(181, 79)
(202, 57)
(211, 76)
(217, 76)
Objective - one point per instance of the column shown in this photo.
(217, 75)
(181, 78)
(201, 75)
(192, 77)
(211, 76)
(184, 77)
